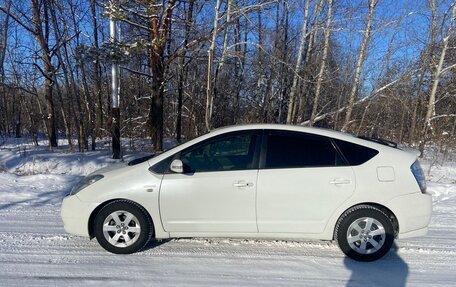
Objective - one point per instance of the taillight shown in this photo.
(419, 175)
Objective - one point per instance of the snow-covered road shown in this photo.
(35, 250)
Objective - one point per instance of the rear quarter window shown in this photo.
(354, 153)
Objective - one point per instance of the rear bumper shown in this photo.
(75, 215)
(413, 213)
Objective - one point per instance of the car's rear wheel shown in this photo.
(364, 233)
(123, 227)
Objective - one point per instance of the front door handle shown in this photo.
(340, 181)
(242, 184)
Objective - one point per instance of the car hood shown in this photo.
(123, 164)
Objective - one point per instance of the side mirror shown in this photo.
(177, 166)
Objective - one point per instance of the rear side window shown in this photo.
(298, 150)
(354, 153)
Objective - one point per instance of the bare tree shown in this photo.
(183, 70)
(323, 64)
(302, 42)
(158, 37)
(359, 64)
(210, 63)
(97, 72)
(430, 112)
(3, 47)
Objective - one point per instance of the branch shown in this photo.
(60, 44)
(43, 72)
(137, 25)
(442, 116)
(206, 37)
(447, 69)
(136, 72)
(20, 88)
(19, 21)
(362, 100)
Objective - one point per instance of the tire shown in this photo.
(123, 227)
(364, 233)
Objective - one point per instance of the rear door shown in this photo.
(302, 180)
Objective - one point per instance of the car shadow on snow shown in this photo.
(390, 271)
(155, 243)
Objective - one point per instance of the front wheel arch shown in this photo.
(93, 215)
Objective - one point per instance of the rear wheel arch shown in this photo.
(365, 232)
(383, 208)
(93, 215)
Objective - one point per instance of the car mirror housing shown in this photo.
(177, 166)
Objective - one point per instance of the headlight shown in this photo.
(85, 182)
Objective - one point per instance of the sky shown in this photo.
(409, 34)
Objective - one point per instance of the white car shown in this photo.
(259, 181)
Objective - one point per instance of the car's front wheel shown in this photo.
(364, 233)
(123, 227)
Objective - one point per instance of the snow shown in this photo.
(36, 251)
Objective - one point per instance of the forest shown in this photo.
(83, 70)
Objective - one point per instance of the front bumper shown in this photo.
(413, 212)
(75, 215)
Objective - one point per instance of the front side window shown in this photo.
(235, 152)
(298, 150)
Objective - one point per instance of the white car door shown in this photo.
(303, 180)
(217, 191)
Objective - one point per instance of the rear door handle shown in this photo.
(340, 181)
(241, 184)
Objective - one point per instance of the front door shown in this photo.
(217, 191)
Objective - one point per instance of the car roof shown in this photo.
(284, 127)
(311, 130)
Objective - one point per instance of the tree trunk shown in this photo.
(294, 85)
(210, 63)
(431, 103)
(183, 73)
(97, 74)
(283, 91)
(359, 65)
(3, 46)
(158, 35)
(322, 65)
(219, 68)
(156, 105)
(65, 117)
(418, 103)
(239, 69)
(42, 37)
(309, 51)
